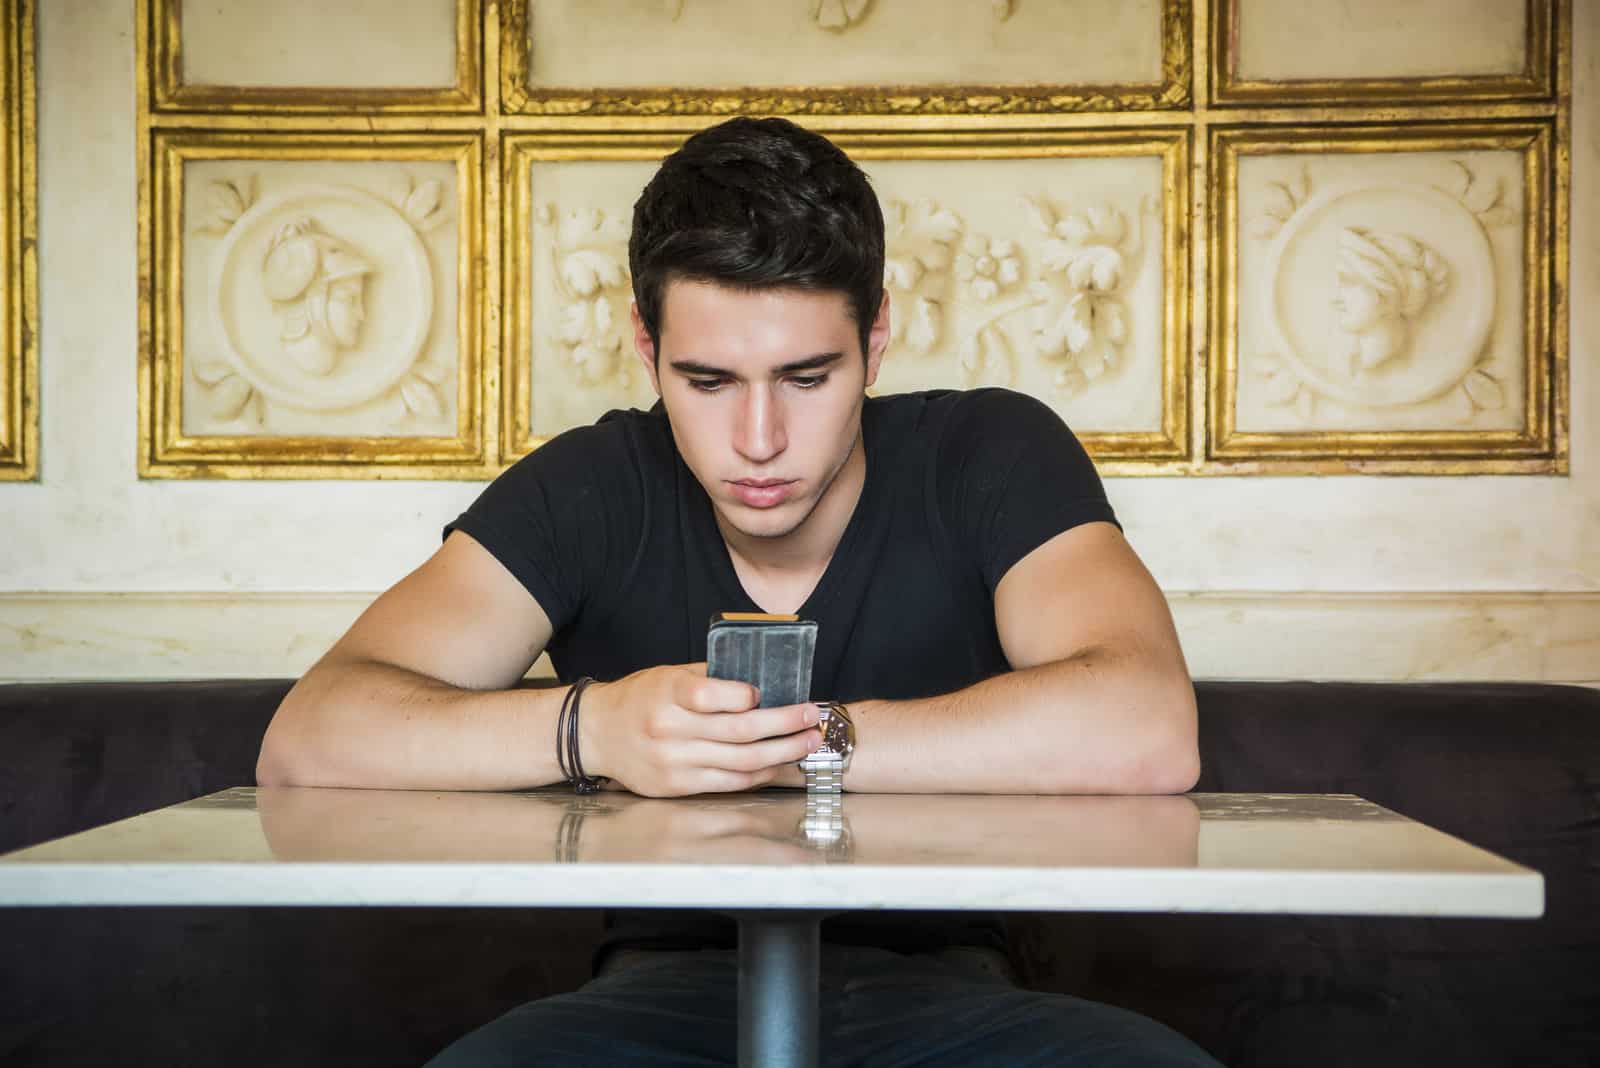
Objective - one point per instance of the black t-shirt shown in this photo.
(613, 536)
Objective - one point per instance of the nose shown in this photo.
(760, 435)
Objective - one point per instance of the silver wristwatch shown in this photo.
(825, 767)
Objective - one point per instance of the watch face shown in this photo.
(837, 734)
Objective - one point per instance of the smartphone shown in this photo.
(771, 652)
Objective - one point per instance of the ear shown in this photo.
(878, 339)
(644, 347)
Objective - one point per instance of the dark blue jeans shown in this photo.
(878, 1009)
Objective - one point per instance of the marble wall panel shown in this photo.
(840, 56)
(1268, 51)
(1383, 295)
(317, 54)
(1057, 271)
(323, 300)
(19, 321)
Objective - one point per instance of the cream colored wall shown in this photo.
(105, 575)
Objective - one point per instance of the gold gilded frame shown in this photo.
(19, 231)
(1174, 91)
(1536, 81)
(493, 104)
(1540, 448)
(1170, 443)
(169, 93)
(164, 449)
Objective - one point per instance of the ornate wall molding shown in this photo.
(19, 231)
(522, 94)
(1535, 80)
(1411, 319)
(1055, 264)
(1391, 312)
(170, 92)
(320, 306)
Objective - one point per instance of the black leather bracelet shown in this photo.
(567, 740)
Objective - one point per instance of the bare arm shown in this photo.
(1100, 701)
(420, 693)
(424, 692)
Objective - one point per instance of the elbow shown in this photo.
(1171, 761)
(284, 757)
(273, 765)
(1173, 770)
(282, 763)
(1163, 757)
(294, 747)
(1166, 765)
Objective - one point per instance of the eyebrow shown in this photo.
(807, 363)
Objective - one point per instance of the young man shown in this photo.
(980, 615)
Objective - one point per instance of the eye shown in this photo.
(707, 385)
(809, 381)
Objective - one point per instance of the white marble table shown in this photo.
(748, 854)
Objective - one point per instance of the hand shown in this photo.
(671, 731)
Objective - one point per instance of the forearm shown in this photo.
(362, 723)
(1094, 723)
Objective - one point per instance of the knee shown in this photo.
(541, 1032)
(1060, 1030)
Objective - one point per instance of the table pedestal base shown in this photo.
(779, 955)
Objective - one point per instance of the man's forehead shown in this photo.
(684, 291)
(707, 322)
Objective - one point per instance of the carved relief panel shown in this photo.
(342, 281)
(316, 291)
(1382, 292)
(19, 319)
(826, 57)
(1055, 269)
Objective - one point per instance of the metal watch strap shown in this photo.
(824, 773)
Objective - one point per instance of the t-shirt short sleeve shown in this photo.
(1011, 477)
(564, 519)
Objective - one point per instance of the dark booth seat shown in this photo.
(1512, 768)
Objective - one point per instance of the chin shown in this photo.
(771, 523)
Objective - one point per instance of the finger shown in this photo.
(698, 693)
(688, 782)
(756, 724)
(770, 754)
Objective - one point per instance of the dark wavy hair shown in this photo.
(758, 204)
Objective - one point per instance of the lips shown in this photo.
(762, 492)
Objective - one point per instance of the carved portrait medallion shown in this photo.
(1381, 295)
(322, 296)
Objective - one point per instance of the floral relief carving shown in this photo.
(920, 239)
(1079, 317)
(590, 257)
(293, 288)
(1055, 295)
(1405, 277)
(988, 267)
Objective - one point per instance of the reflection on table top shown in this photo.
(1196, 853)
